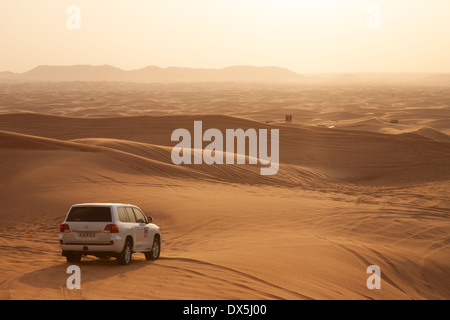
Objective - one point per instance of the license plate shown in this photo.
(87, 234)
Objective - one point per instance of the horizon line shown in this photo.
(226, 67)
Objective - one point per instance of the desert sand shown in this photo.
(374, 189)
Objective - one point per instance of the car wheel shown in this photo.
(73, 257)
(156, 249)
(126, 254)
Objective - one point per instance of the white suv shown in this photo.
(108, 230)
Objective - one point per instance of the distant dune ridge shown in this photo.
(227, 74)
(377, 159)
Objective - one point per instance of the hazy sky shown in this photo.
(302, 35)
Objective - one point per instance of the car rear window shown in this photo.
(90, 214)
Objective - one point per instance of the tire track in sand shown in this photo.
(247, 277)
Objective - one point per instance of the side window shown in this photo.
(140, 218)
(123, 217)
(130, 214)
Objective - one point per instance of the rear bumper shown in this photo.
(91, 253)
(89, 249)
(92, 248)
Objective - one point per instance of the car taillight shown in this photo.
(64, 227)
(113, 228)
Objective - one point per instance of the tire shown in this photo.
(126, 254)
(73, 257)
(156, 250)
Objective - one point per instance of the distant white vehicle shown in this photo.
(108, 230)
(323, 125)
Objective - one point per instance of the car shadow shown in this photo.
(91, 269)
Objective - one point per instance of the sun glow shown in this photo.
(302, 35)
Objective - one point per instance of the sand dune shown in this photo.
(422, 130)
(376, 158)
(365, 192)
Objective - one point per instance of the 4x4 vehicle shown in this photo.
(108, 230)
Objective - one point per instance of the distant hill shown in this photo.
(10, 76)
(228, 74)
(154, 74)
(74, 73)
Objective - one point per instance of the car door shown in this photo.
(133, 226)
(142, 233)
(127, 226)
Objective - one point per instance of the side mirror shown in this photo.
(149, 219)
